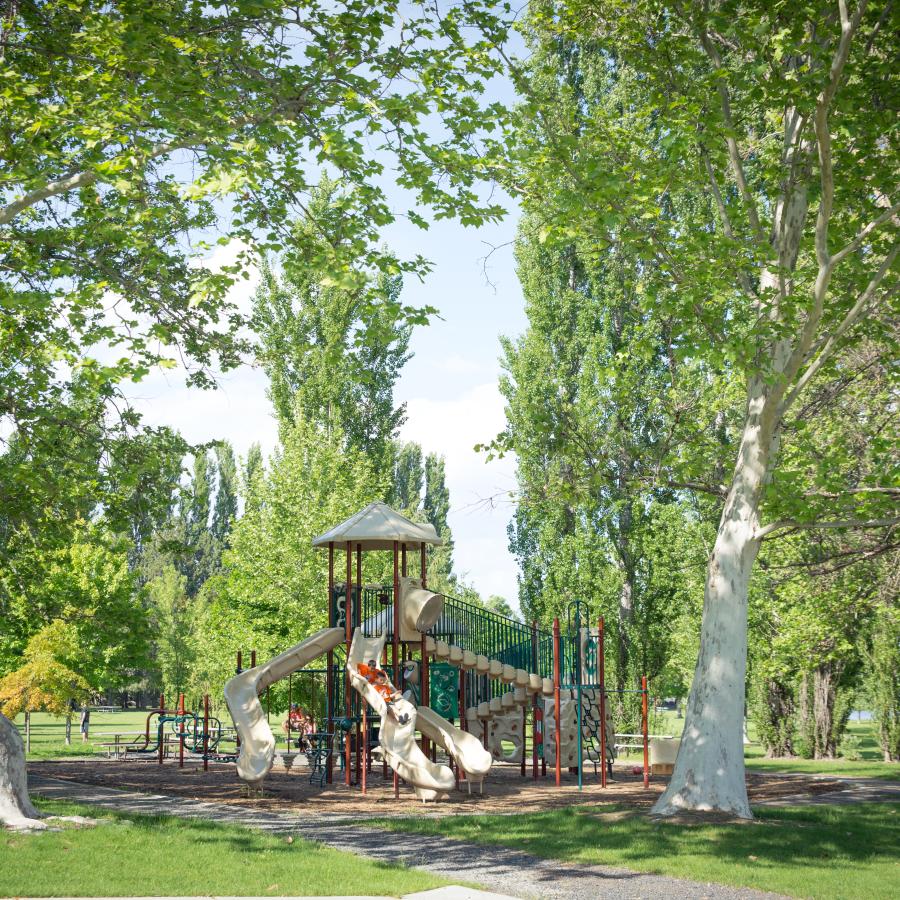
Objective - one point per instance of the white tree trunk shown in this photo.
(16, 810)
(709, 769)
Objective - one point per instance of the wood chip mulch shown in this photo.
(505, 791)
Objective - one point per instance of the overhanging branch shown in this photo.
(793, 525)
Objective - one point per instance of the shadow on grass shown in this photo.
(153, 829)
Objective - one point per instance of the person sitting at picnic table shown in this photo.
(294, 722)
(379, 680)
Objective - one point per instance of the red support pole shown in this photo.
(644, 731)
(365, 749)
(423, 565)
(524, 729)
(601, 669)
(329, 674)
(534, 706)
(396, 638)
(557, 717)
(181, 731)
(206, 732)
(159, 728)
(348, 617)
(424, 674)
(358, 619)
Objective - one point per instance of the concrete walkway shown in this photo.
(509, 872)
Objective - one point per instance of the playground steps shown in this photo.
(524, 685)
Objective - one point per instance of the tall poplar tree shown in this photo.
(225, 508)
(330, 354)
(409, 478)
(436, 509)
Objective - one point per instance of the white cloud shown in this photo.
(480, 508)
(455, 364)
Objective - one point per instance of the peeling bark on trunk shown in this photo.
(709, 769)
(16, 810)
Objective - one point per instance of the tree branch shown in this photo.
(857, 242)
(734, 153)
(746, 284)
(830, 345)
(768, 530)
(69, 182)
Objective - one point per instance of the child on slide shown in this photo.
(379, 680)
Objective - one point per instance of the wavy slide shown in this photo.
(242, 699)
(464, 748)
(398, 742)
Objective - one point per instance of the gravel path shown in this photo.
(507, 871)
(850, 790)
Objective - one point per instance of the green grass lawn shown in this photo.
(827, 852)
(133, 856)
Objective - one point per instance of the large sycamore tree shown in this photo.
(137, 135)
(748, 152)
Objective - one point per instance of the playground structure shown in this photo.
(490, 674)
(195, 733)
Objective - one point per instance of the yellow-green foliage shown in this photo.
(44, 681)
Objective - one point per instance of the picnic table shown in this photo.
(117, 748)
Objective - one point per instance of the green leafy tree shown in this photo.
(273, 591)
(409, 478)
(253, 468)
(882, 649)
(585, 413)
(749, 151)
(225, 509)
(133, 130)
(88, 587)
(171, 618)
(199, 555)
(328, 351)
(436, 509)
(46, 680)
(496, 603)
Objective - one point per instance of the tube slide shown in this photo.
(465, 749)
(242, 699)
(398, 741)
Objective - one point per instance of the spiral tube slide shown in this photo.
(398, 741)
